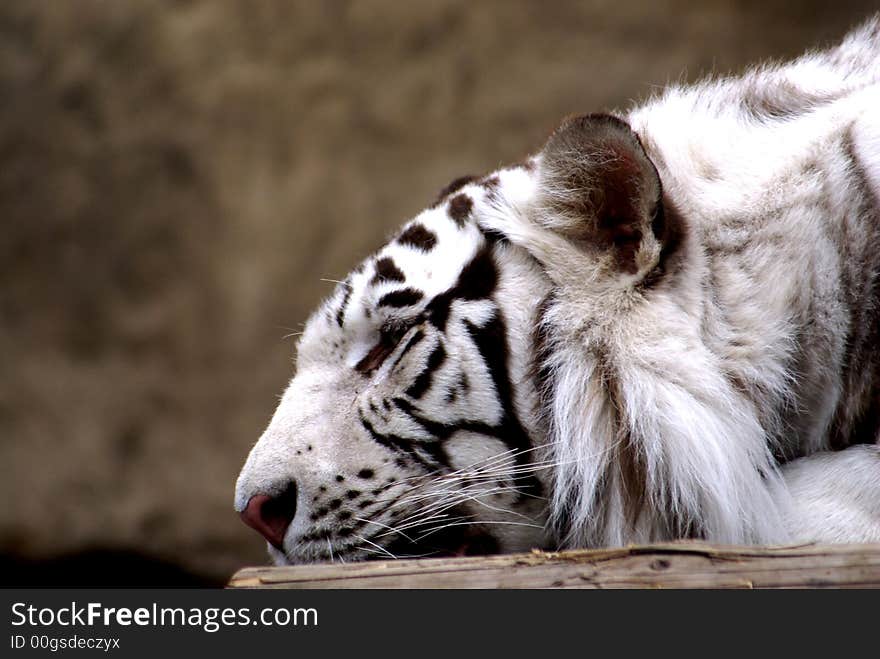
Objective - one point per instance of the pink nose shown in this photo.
(270, 516)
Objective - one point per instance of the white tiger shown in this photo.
(660, 326)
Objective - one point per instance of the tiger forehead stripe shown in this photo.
(387, 270)
(491, 185)
(423, 382)
(460, 208)
(340, 314)
(419, 237)
(453, 187)
(405, 297)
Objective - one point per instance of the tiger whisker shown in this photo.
(426, 554)
(453, 498)
(510, 453)
(461, 496)
(373, 544)
(424, 478)
(500, 472)
(503, 469)
(446, 497)
(415, 498)
(477, 498)
(414, 523)
(391, 529)
(458, 497)
(515, 473)
(480, 523)
(535, 466)
(430, 489)
(474, 472)
(468, 480)
(499, 510)
(464, 488)
(289, 554)
(463, 485)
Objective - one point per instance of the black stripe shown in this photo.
(460, 207)
(494, 236)
(345, 298)
(423, 381)
(490, 185)
(540, 366)
(413, 341)
(782, 100)
(418, 236)
(478, 280)
(437, 430)
(387, 270)
(408, 448)
(491, 342)
(857, 419)
(405, 297)
(452, 187)
(443, 431)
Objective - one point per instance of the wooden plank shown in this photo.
(674, 565)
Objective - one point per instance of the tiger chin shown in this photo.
(662, 325)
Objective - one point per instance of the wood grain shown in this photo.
(674, 565)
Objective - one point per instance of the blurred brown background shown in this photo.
(176, 177)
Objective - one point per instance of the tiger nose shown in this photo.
(271, 515)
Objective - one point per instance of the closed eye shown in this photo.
(389, 338)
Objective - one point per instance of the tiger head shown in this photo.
(418, 421)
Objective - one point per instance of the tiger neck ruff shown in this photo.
(659, 326)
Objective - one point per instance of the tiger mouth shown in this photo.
(447, 542)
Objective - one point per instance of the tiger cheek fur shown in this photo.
(656, 327)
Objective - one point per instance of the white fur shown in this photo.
(686, 390)
(835, 496)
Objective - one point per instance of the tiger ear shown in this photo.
(600, 189)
